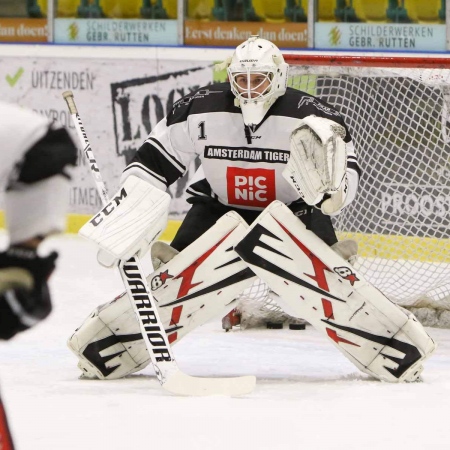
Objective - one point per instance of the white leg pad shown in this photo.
(109, 343)
(195, 285)
(318, 285)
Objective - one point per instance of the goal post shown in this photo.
(398, 112)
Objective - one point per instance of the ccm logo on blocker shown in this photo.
(109, 208)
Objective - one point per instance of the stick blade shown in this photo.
(181, 384)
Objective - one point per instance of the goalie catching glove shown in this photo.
(135, 216)
(318, 163)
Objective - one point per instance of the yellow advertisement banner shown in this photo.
(231, 34)
(23, 30)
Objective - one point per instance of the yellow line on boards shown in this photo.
(370, 245)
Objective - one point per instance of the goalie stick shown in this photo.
(172, 379)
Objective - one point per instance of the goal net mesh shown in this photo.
(399, 119)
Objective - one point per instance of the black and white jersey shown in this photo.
(20, 129)
(240, 166)
(33, 148)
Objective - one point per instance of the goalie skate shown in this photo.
(316, 284)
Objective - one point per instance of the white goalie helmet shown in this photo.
(258, 76)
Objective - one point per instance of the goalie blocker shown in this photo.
(134, 218)
(315, 283)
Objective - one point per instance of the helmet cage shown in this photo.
(252, 93)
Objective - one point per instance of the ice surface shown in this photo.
(308, 396)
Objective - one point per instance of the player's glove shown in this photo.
(24, 294)
(318, 162)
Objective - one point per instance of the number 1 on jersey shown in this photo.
(202, 134)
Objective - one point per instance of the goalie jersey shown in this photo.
(240, 166)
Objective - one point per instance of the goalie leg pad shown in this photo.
(318, 285)
(195, 285)
(109, 343)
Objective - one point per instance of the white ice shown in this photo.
(308, 396)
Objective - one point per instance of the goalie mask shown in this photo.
(258, 76)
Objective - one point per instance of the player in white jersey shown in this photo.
(37, 157)
(241, 131)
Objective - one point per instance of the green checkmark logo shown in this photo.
(12, 80)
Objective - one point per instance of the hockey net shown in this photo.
(398, 112)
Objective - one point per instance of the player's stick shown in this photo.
(169, 375)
